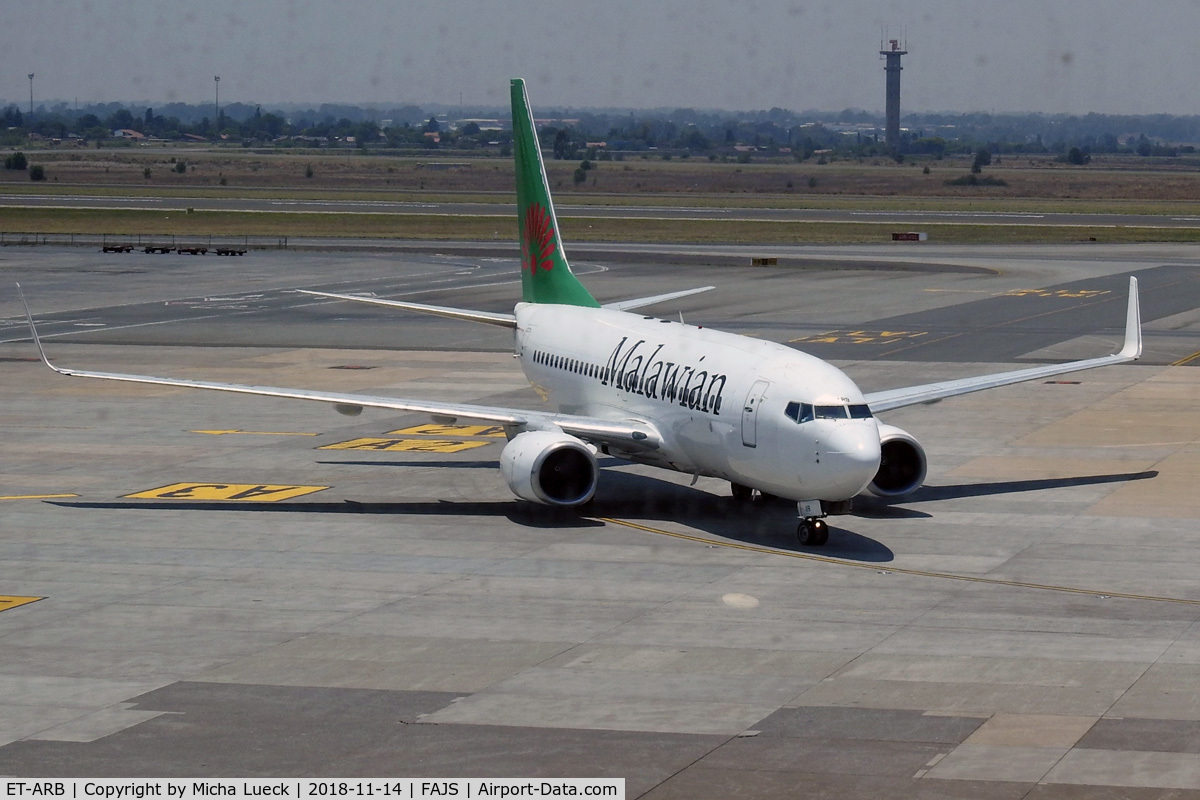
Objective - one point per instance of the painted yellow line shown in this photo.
(859, 337)
(250, 492)
(11, 601)
(878, 567)
(35, 496)
(256, 433)
(1186, 359)
(1064, 293)
(411, 445)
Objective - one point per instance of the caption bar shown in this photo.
(419, 789)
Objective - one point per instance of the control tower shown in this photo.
(892, 68)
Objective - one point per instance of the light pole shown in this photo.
(31, 94)
(217, 104)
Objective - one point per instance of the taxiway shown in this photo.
(197, 584)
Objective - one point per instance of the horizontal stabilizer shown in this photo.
(629, 305)
(487, 317)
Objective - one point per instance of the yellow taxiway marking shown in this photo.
(10, 601)
(414, 445)
(1056, 293)
(859, 337)
(35, 496)
(432, 429)
(250, 492)
(878, 567)
(1186, 359)
(256, 433)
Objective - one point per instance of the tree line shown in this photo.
(579, 133)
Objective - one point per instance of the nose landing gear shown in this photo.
(812, 532)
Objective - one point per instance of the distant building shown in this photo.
(484, 124)
(128, 133)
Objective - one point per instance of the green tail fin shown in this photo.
(546, 276)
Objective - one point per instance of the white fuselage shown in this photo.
(726, 405)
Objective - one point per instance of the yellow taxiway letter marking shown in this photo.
(450, 430)
(251, 492)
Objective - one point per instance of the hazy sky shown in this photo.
(1073, 56)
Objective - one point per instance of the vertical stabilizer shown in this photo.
(546, 276)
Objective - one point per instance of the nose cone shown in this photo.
(850, 456)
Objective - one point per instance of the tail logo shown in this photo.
(538, 244)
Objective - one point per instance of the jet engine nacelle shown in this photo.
(902, 463)
(549, 467)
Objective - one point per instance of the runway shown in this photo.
(211, 585)
(508, 210)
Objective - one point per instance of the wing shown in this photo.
(628, 434)
(930, 392)
(488, 317)
(628, 305)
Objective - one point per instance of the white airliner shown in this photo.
(656, 391)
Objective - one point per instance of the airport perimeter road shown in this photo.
(907, 218)
(213, 585)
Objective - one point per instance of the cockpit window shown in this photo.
(799, 412)
(806, 412)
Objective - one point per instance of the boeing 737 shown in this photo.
(757, 414)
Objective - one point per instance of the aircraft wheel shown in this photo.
(741, 493)
(812, 532)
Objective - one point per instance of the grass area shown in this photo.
(778, 181)
(737, 201)
(440, 227)
(1109, 185)
(982, 201)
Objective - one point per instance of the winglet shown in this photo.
(1133, 324)
(34, 333)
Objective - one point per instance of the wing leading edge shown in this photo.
(930, 392)
(628, 434)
